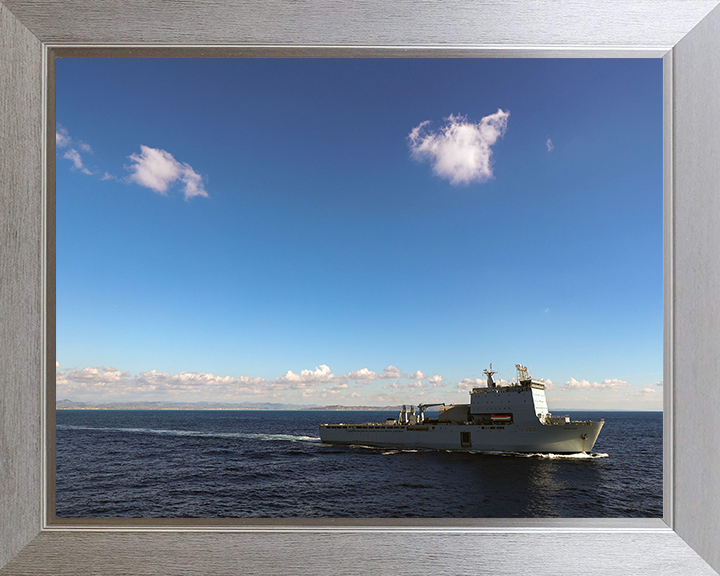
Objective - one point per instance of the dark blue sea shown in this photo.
(271, 464)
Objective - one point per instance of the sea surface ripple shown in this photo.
(271, 464)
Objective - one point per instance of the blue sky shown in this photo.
(361, 232)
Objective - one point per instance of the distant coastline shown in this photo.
(72, 405)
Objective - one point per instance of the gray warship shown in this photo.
(499, 418)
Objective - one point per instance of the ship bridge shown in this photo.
(522, 401)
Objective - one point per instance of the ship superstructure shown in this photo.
(513, 418)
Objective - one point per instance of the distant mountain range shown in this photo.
(72, 405)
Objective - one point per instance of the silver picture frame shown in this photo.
(685, 33)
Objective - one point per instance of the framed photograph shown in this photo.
(679, 34)
(325, 185)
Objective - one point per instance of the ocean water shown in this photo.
(271, 464)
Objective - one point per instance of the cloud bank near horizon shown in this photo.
(107, 384)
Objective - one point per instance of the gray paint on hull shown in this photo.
(565, 439)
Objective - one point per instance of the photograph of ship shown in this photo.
(358, 288)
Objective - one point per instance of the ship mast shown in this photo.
(489, 374)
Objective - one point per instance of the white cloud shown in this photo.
(362, 375)
(647, 396)
(549, 145)
(609, 384)
(613, 383)
(108, 383)
(366, 375)
(77, 161)
(549, 384)
(460, 150)
(62, 138)
(659, 383)
(157, 169)
(337, 388)
(391, 372)
(437, 381)
(470, 383)
(60, 379)
(98, 377)
(308, 378)
(573, 384)
(406, 386)
(153, 168)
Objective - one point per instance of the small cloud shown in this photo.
(93, 376)
(157, 169)
(659, 383)
(437, 381)
(391, 372)
(363, 375)
(613, 383)
(549, 384)
(62, 138)
(108, 176)
(549, 145)
(307, 378)
(609, 384)
(460, 150)
(470, 383)
(406, 386)
(74, 156)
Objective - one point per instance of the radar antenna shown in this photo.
(489, 374)
(522, 373)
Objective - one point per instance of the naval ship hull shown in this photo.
(509, 418)
(570, 438)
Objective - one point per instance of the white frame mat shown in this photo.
(685, 33)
